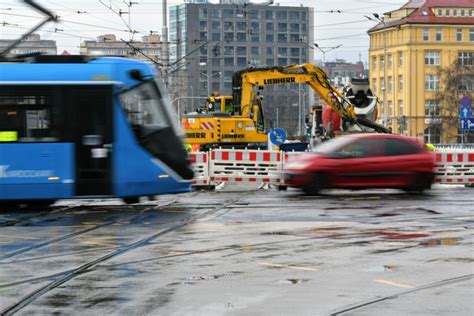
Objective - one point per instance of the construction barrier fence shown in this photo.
(453, 166)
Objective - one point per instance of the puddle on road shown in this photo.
(440, 242)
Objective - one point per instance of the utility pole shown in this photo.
(384, 87)
(165, 46)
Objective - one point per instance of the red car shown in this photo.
(363, 161)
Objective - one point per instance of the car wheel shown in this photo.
(421, 183)
(318, 183)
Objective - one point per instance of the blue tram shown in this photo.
(83, 127)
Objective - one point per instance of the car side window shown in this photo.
(399, 147)
(364, 148)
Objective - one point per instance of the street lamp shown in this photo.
(384, 87)
(324, 50)
(300, 99)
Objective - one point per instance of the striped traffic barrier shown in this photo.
(454, 167)
(200, 163)
(241, 165)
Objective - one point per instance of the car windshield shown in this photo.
(332, 145)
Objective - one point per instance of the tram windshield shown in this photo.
(145, 107)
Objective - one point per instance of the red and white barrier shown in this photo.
(200, 162)
(234, 165)
(454, 166)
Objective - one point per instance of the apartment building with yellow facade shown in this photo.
(407, 48)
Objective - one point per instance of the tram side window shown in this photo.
(25, 118)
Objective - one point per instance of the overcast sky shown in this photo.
(86, 19)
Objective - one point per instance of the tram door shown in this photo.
(91, 118)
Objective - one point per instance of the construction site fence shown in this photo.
(453, 166)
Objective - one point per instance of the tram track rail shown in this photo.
(70, 274)
(377, 300)
(81, 231)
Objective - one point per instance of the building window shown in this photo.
(432, 58)
(295, 38)
(390, 60)
(390, 109)
(459, 35)
(455, 12)
(431, 108)
(440, 12)
(390, 84)
(382, 84)
(447, 12)
(229, 61)
(426, 34)
(400, 59)
(439, 33)
(294, 15)
(270, 27)
(382, 62)
(282, 52)
(471, 35)
(241, 51)
(228, 13)
(270, 38)
(254, 14)
(229, 37)
(294, 27)
(269, 15)
(203, 13)
(294, 51)
(270, 62)
(431, 83)
(216, 25)
(241, 61)
(282, 27)
(463, 12)
(241, 37)
(466, 58)
(255, 50)
(432, 135)
(229, 50)
(282, 15)
(400, 83)
(228, 26)
(255, 38)
(374, 63)
(255, 26)
(216, 37)
(400, 107)
(269, 51)
(241, 26)
(374, 84)
(282, 62)
(282, 38)
(203, 25)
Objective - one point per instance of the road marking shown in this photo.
(18, 237)
(406, 286)
(106, 244)
(287, 266)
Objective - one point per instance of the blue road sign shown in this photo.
(465, 109)
(467, 124)
(465, 112)
(277, 136)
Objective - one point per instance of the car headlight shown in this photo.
(298, 165)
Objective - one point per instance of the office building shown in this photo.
(209, 42)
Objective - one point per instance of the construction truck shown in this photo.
(243, 123)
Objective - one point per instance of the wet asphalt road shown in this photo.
(243, 251)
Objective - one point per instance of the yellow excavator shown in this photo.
(239, 121)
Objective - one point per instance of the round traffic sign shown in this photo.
(277, 136)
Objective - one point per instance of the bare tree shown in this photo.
(456, 82)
